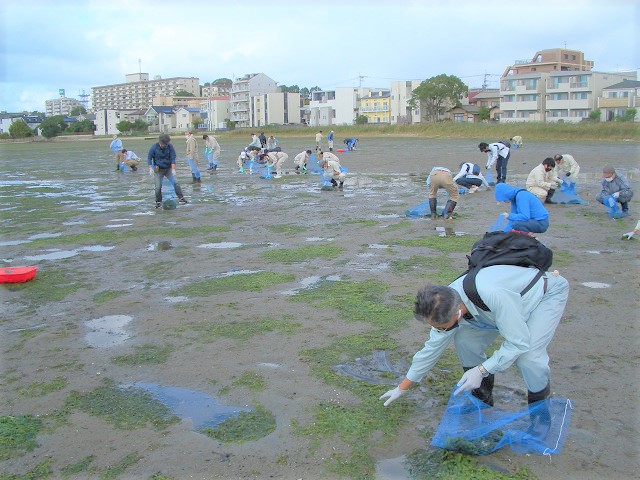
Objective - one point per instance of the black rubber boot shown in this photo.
(549, 195)
(447, 213)
(625, 206)
(484, 392)
(433, 202)
(334, 183)
(193, 178)
(539, 412)
(341, 186)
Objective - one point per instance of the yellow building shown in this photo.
(376, 106)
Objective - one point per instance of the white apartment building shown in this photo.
(216, 110)
(106, 120)
(61, 106)
(138, 91)
(401, 92)
(553, 96)
(242, 90)
(275, 108)
(617, 99)
(336, 107)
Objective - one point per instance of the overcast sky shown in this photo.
(51, 44)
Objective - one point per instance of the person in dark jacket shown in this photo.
(162, 163)
(615, 184)
(527, 212)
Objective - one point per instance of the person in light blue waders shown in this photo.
(211, 152)
(162, 163)
(526, 322)
(116, 147)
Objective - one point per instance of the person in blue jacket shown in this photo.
(527, 212)
(350, 143)
(330, 140)
(162, 163)
(116, 148)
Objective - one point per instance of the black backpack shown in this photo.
(505, 248)
(505, 143)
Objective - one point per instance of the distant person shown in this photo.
(162, 163)
(263, 140)
(499, 154)
(330, 163)
(211, 152)
(330, 140)
(567, 165)
(527, 212)
(542, 181)
(350, 143)
(128, 158)
(276, 159)
(255, 143)
(615, 184)
(441, 177)
(516, 142)
(116, 147)
(470, 177)
(301, 161)
(272, 143)
(191, 154)
(318, 140)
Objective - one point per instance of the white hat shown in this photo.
(243, 155)
(115, 136)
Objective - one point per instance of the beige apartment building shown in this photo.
(138, 91)
(61, 106)
(551, 60)
(618, 98)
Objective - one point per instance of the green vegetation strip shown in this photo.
(126, 408)
(247, 426)
(448, 244)
(252, 381)
(246, 282)
(241, 331)
(50, 285)
(358, 301)
(287, 228)
(39, 389)
(41, 471)
(18, 435)
(145, 355)
(80, 466)
(108, 295)
(293, 255)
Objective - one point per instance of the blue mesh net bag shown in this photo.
(472, 427)
(567, 194)
(419, 210)
(613, 210)
(266, 172)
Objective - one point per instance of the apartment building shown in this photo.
(242, 90)
(138, 91)
(336, 107)
(275, 108)
(106, 119)
(376, 106)
(61, 106)
(618, 98)
(551, 60)
(216, 110)
(216, 90)
(174, 101)
(567, 96)
(401, 93)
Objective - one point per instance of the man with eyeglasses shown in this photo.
(526, 322)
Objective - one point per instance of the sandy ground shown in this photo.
(594, 356)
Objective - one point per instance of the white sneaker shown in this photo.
(473, 189)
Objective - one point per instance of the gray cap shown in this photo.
(608, 169)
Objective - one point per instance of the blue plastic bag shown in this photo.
(567, 194)
(489, 178)
(613, 210)
(502, 224)
(472, 427)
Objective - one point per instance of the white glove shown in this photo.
(505, 214)
(173, 172)
(615, 195)
(151, 171)
(393, 395)
(628, 235)
(469, 381)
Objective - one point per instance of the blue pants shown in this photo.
(193, 167)
(472, 343)
(531, 225)
(159, 175)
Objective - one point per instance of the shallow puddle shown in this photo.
(392, 469)
(177, 299)
(374, 368)
(118, 225)
(377, 246)
(201, 408)
(221, 245)
(311, 281)
(596, 285)
(107, 331)
(62, 254)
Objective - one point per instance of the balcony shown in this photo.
(374, 109)
(578, 84)
(623, 102)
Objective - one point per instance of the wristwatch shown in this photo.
(483, 371)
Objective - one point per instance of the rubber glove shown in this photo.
(151, 171)
(505, 214)
(615, 195)
(568, 174)
(393, 395)
(469, 381)
(628, 235)
(173, 172)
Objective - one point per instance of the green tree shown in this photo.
(140, 126)
(124, 126)
(436, 94)
(222, 82)
(231, 125)
(195, 122)
(53, 126)
(304, 91)
(629, 115)
(595, 115)
(361, 120)
(20, 129)
(182, 93)
(75, 111)
(83, 126)
(484, 113)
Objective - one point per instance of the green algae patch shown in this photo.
(303, 254)
(40, 389)
(287, 228)
(108, 295)
(247, 426)
(18, 435)
(41, 471)
(242, 331)
(145, 355)
(78, 467)
(114, 471)
(125, 408)
(251, 380)
(448, 244)
(50, 285)
(245, 282)
(358, 302)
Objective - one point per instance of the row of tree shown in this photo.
(51, 127)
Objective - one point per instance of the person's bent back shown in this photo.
(527, 212)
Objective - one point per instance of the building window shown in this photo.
(579, 96)
(458, 117)
(559, 96)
